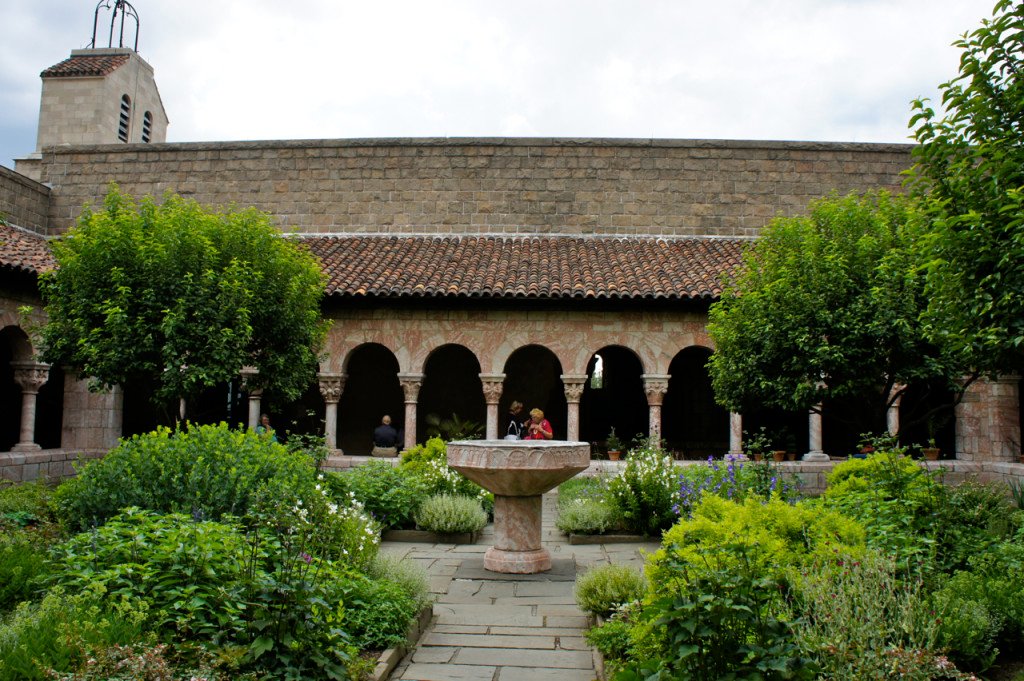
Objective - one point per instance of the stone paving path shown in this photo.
(491, 627)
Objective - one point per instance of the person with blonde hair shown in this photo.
(539, 428)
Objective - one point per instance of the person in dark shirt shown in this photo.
(385, 438)
(515, 423)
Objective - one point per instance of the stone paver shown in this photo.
(492, 627)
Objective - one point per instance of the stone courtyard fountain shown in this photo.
(518, 472)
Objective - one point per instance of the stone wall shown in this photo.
(563, 186)
(23, 202)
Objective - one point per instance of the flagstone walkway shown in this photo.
(493, 627)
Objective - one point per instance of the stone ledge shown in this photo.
(427, 537)
(588, 539)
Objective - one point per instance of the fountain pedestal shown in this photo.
(518, 472)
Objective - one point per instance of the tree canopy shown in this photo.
(969, 174)
(182, 297)
(825, 306)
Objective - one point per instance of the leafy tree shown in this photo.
(825, 306)
(183, 298)
(970, 173)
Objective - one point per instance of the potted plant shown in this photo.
(614, 445)
(757, 444)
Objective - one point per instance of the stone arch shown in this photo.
(533, 376)
(691, 422)
(451, 386)
(371, 391)
(618, 401)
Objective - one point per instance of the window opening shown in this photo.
(147, 127)
(126, 112)
(597, 378)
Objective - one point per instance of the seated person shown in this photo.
(385, 439)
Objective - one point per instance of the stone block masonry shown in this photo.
(23, 202)
(493, 186)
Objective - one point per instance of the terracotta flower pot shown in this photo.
(614, 454)
(931, 453)
(790, 456)
(779, 455)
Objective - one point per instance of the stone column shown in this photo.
(573, 385)
(988, 420)
(816, 452)
(411, 383)
(91, 420)
(655, 385)
(31, 376)
(255, 394)
(331, 387)
(736, 434)
(892, 416)
(494, 385)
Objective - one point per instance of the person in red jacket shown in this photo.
(539, 428)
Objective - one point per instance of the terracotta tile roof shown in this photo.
(24, 251)
(549, 267)
(86, 65)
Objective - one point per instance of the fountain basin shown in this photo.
(518, 472)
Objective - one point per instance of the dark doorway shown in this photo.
(693, 425)
(614, 396)
(10, 392)
(533, 375)
(452, 392)
(788, 430)
(50, 410)
(371, 391)
(927, 412)
(845, 420)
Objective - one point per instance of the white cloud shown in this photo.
(261, 69)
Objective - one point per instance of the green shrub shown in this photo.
(612, 638)
(23, 563)
(209, 471)
(407, 573)
(377, 612)
(967, 630)
(270, 589)
(585, 516)
(894, 498)
(602, 589)
(390, 494)
(776, 535)
(450, 514)
(644, 495)
(56, 633)
(861, 620)
(429, 463)
(970, 520)
(727, 624)
(30, 500)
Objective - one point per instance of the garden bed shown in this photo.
(614, 538)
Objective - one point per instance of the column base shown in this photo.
(26, 447)
(816, 456)
(517, 562)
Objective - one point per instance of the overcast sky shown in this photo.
(830, 70)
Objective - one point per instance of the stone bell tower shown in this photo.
(99, 95)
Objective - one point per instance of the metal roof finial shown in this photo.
(123, 8)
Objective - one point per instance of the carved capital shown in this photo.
(573, 385)
(331, 386)
(249, 375)
(493, 391)
(411, 383)
(31, 376)
(655, 385)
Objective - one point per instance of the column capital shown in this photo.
(331, 384)
(248, 375)
(655, 385)
(574, 385)
(30, 375)
(494, 385)
(411, 383)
